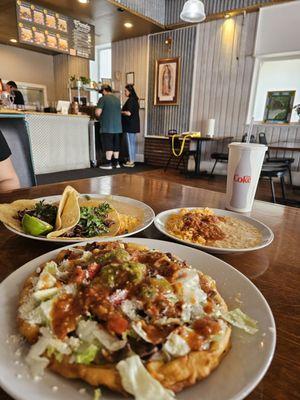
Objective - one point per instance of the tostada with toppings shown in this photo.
(135, 320)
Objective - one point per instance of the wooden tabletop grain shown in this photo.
(290, 146)
(275, 270)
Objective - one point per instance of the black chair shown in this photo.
(223, 157)
(270, 172)
(177, 147)
(287, 161)
(16, 135)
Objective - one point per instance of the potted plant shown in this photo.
(297, 109)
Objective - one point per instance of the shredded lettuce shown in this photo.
(240, 320)
(137, 381)
(90, 331)
(138, 329)
(97, 394)
(86, 353)
(35, 360)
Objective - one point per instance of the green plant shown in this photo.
(84, 80)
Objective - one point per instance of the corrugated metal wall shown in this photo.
(167, 12)
(154, 9)
(131, 56)
(223, 76)
(174, 7)
(163, 118)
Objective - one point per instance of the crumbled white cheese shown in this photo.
(176, 346)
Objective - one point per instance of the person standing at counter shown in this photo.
(17, 97)
(8, 177)
(108, 110)
(131, 122)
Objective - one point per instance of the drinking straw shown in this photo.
(250, 130)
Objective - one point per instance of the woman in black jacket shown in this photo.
(131, 122)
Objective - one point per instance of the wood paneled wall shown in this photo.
(64, 67)
(132, 56)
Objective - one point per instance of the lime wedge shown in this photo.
(34, 226)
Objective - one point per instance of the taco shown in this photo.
(68, 213)
(97, 218)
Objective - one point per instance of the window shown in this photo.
(276, 75)
(101, 67)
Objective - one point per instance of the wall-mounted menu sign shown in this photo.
(42, 27)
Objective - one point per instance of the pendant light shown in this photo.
(193, 11)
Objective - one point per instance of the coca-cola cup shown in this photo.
(244, 166)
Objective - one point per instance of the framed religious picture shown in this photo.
(167, 81)
(279, 106)
(130, 78)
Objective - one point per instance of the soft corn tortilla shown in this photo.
(64, 197)
(113, 215)
(68, 211)
(9, 212)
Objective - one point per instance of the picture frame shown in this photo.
(130, 78)
(279, 106)
(167, 73)
(142, 104)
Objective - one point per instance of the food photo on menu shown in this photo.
(25, 12)
(38, 17)
(51, 40)
(50, 20)
(63, 44)
(62, 24)
(39, 37)
(26, 33)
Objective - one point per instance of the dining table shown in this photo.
(275, 270)
(196, 148)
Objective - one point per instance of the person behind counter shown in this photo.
(12, 89)
(131, 122)
(108, 110)
(8, 177)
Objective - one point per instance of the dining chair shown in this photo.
(176, 145)
(17, 138)
(287, 161)
(223, 157)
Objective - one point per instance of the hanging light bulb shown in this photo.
(193, 11)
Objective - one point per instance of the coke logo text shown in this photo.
(242, 179)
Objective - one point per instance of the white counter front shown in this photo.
(58, 142)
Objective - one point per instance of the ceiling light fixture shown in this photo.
(13, 40)
(83, 1)
(128, 25)
(226, 16)
(193, 11)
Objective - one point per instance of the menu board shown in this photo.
(39, 26)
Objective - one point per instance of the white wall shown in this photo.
(27, 66)
(278, 29)
(277, 75)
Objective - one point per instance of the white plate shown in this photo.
(267, 234)
(238, 374)
(146, 213)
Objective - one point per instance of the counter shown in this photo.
(58, 142)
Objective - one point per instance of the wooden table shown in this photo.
(289, 146)
(274, 270)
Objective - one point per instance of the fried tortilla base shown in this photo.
(175, 375)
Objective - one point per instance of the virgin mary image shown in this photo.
(166, 80)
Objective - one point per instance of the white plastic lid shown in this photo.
(248, 146)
